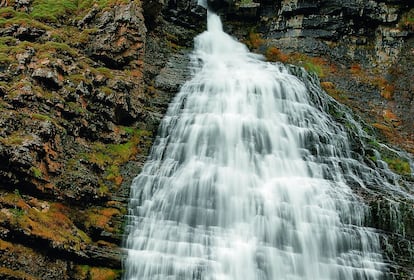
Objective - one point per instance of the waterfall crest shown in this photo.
(245, 181)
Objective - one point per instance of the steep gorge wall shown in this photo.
(71, 95)
(83, 86)
(361, 49)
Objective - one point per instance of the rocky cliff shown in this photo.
(71, 98)
(361, 49)
(83, 85)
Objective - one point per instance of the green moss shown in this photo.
(7, 12)
(83, 37)
(106, 72)
(106, 90)
(398, 165)
(17, 212)
(52, 10)
(112, 172)
(109, 157)
(122, 152)
(103, 189)
(101, 217)
(7, 273)
(6, 140)
(9, 47)
(46, 221)
(374, 143)
(5, 59)
(104, 273)
(314, 68)
(58, 47)
(13, 139)
(77, 78)
(9, 17)
(116, 153)
(36, 172)
(84, 269)
(7, 41)
(129, 130)
(407, 20)
(41, 117)
(246, 2)
(110, 3)
(75, 108)
(17, 193)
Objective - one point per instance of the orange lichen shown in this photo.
(100, 218)
(136, 73)
(388, 91)
(390, 117)
(97, 273)
(275, 54)
(4, 245)
(255, 40)
(355, 69)
(384, 129)
(327, 86)
(50, 222)
(15, 274)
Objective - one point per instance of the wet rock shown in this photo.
(89, 17)
(25, 263)
(185, 13)
(28, 33)
(23, 33)
(22, 5)
(101, 254)
(174, 74)
(120, 38)
(25, 57)
(47, 77)
(152, 9)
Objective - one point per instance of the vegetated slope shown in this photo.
(71, 98)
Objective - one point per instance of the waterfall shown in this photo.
(247, 180)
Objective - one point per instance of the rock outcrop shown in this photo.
(72, 94)
(82, 90)
(359, 46)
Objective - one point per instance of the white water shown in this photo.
(245, 181)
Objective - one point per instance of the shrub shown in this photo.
(398, 165)
(255, 40)
(275, 54)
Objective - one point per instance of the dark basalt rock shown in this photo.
(23, 33)
(49, 78)
(120, 38)
(185, 13)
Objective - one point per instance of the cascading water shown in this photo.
(246, 180)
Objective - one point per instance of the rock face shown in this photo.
(364, 43)
(71, 96)
(120, 37)
(82, 90)
(84, 86)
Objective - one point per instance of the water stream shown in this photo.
(246, 180)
